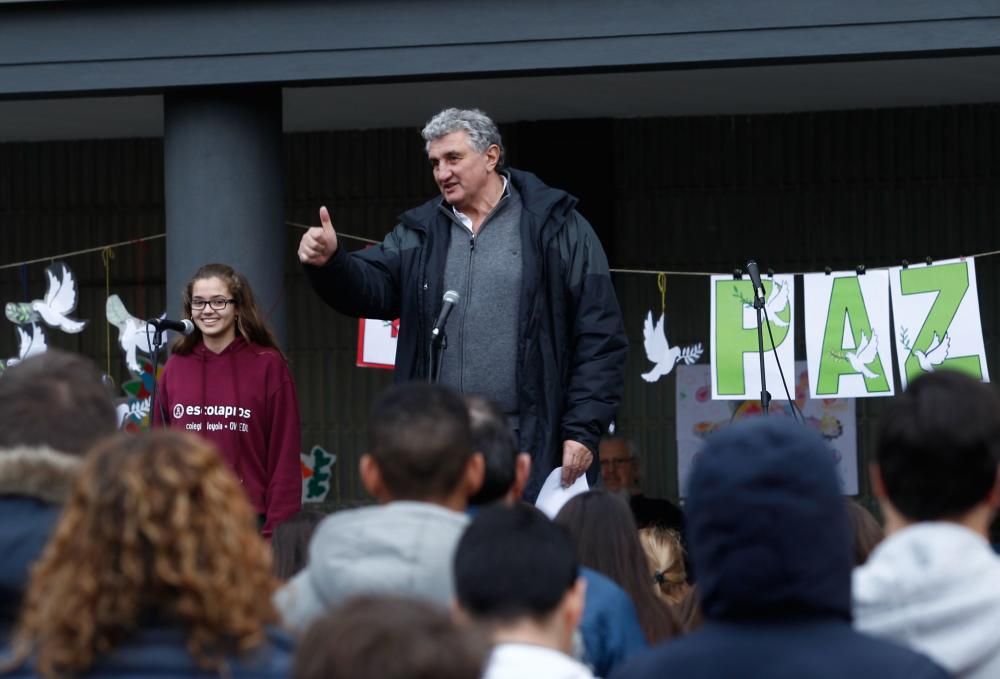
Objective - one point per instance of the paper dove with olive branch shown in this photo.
(865, 353)
(660, 353)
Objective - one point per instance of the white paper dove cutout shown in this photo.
(659, 351)
(776, 303)
(935, 354)
(133, 333)
(30, 342)
(864, 353)
(60, 300)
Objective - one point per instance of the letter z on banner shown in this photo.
(935, 308)
(735, 365)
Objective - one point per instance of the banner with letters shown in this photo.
(848, 331)
(937, 325)
(733, 337)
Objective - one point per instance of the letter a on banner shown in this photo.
(848, 334)
(937, 325)
(735, 365)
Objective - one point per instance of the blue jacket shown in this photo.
(34, 482)
(770, 540)
(609, 626)
(161, 652)
(25, 527)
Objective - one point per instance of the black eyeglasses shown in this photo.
(218, 303)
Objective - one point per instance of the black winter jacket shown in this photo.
(572, 346)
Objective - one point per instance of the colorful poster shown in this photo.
(377, 343)
(698, 416)
(935, 308)
(734, 343)
(847, 326)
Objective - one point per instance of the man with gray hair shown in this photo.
(537, 327)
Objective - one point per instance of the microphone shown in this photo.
(450, 300)
(183, 326)
(755, 277)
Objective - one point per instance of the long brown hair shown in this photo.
(607, 540)
(157, 527)
(250, 323)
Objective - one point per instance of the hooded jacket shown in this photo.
(402, 547)
(152, 653)
(242, 400)
(936, 588)
(34, 482)
(572, 346)
(770, 541)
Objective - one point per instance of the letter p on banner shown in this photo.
(733, 341)
(937, 324)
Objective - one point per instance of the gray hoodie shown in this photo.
(400, 548)
(935, 587)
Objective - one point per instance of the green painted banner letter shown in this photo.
(732, 339)
(847, 304)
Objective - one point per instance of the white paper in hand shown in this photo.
(553, 496)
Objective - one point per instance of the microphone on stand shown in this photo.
(758, 305)
(183, 326)
(439, 341)
(450, 300)
(755, 278)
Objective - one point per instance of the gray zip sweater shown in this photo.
(485, 270)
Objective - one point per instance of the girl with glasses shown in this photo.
(229, 382)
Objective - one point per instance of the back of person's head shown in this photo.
(55, 400)
(419, 442)
(607, 540)
(666, 562)
(767, 525)
(290, 542)
(389, 638)
(939, 445)
(156, 528)
(865, 529)
(506, 469)
(513, 564)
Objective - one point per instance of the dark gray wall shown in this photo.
(799, 192)
(66, 48)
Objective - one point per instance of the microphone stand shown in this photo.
(758, 304)
(435, 352)
(157, 345)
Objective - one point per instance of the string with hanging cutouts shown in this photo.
(362, 239)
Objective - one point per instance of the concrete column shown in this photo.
(223, 191)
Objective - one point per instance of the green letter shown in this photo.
(732, 340)
(950, 281)
(846, 295)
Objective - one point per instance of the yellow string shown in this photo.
(107, 254)
(661, 283)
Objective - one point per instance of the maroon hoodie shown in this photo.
(242, 400)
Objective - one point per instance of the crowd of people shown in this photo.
(145, 556)
(184, 551)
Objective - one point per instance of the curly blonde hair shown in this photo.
(156, 526)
